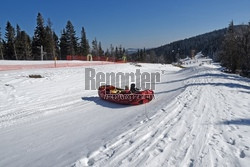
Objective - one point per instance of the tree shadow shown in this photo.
(236, 122)
(225, 76)
(172, 90)
(188, 71)
(97, 100)
(245, 92)
(228, 85)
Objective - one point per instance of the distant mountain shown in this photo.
(209, 44)
(131, 50)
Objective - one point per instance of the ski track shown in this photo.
(53, 121)
(39, 108)
(34, 105)
(187, 132)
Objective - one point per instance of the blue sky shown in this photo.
(130, 23)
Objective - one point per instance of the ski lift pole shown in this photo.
(42, 52)
(55, 61)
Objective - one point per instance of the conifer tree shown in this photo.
(50, 43)
(94, 47)
(123, 51)
(120, 51)
(39, 38)
(23, 44)
(71, 39)
(229, 56)
(116, 52)
(1, 46)
(107, 53)
(112, 54)
(27, 49)
(244, 47)
(100, 51)
(18, 42)
(84, 44)
(63, 45)
(10, 50)
(56, 45)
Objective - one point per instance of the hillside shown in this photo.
(209, 44)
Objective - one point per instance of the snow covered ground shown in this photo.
(199, 117)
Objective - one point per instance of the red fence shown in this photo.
(94, 58)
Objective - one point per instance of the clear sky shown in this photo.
(130, 23)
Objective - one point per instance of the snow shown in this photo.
(199, 117)
(198, 60)
(199, 55)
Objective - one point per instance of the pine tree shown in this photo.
(1, 46)
(18, 42)
(107, 53)
(244, 47)
(63, 45)
(229, 55)
(143, 57)
(84, 44)
(247, 59)
(10, 49)
(100, 51)
(39, 39)
(94, 47)
(120, 51)
(123, 51)
(112, 54)
(116, 52)
(50, 43)
(27, 49)
(23, 44)
(71, 39)
(56, 45)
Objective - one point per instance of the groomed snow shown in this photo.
(199, 117)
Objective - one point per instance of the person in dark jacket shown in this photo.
(133, 89)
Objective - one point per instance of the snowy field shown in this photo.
(199, 117)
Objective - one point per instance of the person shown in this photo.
(115, 91)
(133, 89)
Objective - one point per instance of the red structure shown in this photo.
(95, 58)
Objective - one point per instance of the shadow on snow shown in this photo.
(224, 76)
(221, 75)
(104, 103)
(229, 85)
(236, 122)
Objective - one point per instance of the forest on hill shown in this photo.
(230, 46)
(210, 44)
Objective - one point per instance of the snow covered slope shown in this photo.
(199, 117)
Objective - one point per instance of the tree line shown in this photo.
(208, 43)
(235, 50)
(46, 45)
(230, 46)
